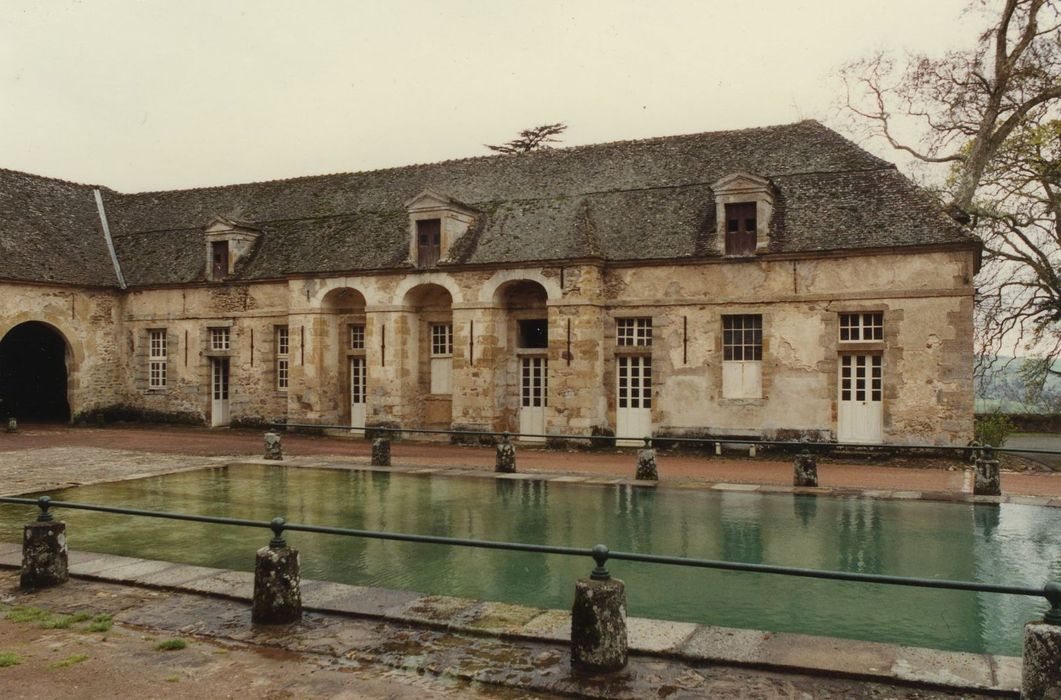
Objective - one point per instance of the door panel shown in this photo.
(860, 406)
(357, 392)
(219, 391)
(633, 404)
(534, 389)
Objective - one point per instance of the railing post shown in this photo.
(44, 556)
(646, 463)
(381, 452)
(273, 449)
(277, 581)
(805, 469)
(1041, 668)
(987, 481)
(598, 620)
(505, 462)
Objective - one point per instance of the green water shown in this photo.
(1001, 544)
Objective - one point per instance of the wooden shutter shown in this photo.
(428, 242)
(740, 229)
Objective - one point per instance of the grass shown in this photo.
(70, 661)
(100, 623)
(172, 679)
(8, 659)
(171, 645)
(44, 619)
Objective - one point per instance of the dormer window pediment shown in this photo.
(744, 210)
(227, 241)
(436, 222)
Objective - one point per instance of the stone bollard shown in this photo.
(505, 462)
(718, 449)
(646, 463)
(987, 481)
(273, 449)
(753, 450)
(1041, 668)
(12, 425)
(805, 471)
(277, 581)
(44, 555)
(381, 452)
(598, 620)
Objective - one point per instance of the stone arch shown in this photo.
(439, 279)
(37, 363)
(329, 287)
(428, 332)
(341, 329)
(488, 292)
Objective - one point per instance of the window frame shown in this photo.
(220, 338)
(742, 356)
(633, 332)
(441, 340)
(860, 323)
(157, 358)
(283, 357)
(355, 336)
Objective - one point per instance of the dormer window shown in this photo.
(740, 228)
(219, 256)
(745, 206)
(428, 242)
(436, 223)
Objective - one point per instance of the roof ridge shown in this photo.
(12, 171)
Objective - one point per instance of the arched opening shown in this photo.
(523, 369)
(430, 356)
(33, 374)
(344, 356)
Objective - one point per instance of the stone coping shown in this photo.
(686, 485)
(688, 641)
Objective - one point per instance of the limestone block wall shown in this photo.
(89, 320)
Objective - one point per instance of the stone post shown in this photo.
(44, 556)
(806, 469)
(987, 481)
(505, 461)
(1041, 668)
(273, 449)
(598, 620)
(277, 581)
(12, 425)
(753, 450)
(718, 449)
(646, 463)
(381, 452)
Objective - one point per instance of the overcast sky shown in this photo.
(166, 94)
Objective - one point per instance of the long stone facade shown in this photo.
(866, 341)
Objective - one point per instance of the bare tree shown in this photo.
(989, 116)
(534, 139)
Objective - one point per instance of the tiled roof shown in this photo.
(619, 201)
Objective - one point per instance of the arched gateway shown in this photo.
(33, 373)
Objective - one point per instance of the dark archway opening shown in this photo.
(33, 374)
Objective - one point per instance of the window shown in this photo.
(855, 370)
(428, 242)
(357, 336)
(219, 339)
(740, 229)
(742, 354)
(862, 327)
(533, 334)
(441, 358)
(633, 332)
(157, 352)
(219, 259)
(283, 348)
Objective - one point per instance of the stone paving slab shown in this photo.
(177, 575)
(230, 584)
(658, 636)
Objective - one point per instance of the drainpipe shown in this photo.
(107, 238)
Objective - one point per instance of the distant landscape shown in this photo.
(1004, 389)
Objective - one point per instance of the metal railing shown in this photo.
(599, 553)
(812, 445)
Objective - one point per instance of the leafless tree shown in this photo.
(534, 139)
(989, 116)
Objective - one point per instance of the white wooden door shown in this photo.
(860, 414)
(534, 387)
(357, 392)
(633, 405)
(218, 391)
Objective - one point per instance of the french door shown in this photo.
(534, 387)
(357, 392)
(218, 391)
(860, 407)
(633, 405)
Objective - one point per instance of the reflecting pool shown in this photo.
(1001, 544)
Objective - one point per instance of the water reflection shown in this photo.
(1007, 543)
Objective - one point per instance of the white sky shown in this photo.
(161, 94)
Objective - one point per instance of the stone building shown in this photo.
(766, 282)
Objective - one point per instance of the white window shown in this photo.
(742, 355)
(157, 353)
(861, 327)
(283, 348)
(357, 337)
(219, 339)
(441, 358)
(633, 332)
